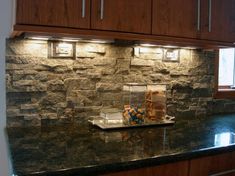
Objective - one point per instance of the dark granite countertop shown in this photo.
(87, 150)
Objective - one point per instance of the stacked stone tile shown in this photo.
(42, 90)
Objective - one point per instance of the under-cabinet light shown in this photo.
(70, 39)
(148, 45)
(67, 39)
(155, 45)
(188, 47)
(88, 40)
(170, 46)
(100, 41)
(39, 38)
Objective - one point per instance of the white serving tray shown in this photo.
(97, 121)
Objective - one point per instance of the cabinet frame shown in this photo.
(105, 33)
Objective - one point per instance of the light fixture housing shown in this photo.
(65, 39)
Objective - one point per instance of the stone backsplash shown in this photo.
(43, 90)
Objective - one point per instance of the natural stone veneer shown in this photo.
(42, 90)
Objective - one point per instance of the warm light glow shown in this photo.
(192, 48)
(148, 50)
(37, 41)
(39, 38)
(170, 46)
(147, 45)
(66, 39)
(162, 46)
(99, 41)
(70, 39)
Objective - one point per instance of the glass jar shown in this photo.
(134, 103)
(155, 102)
(143, 103)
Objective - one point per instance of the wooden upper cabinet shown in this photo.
(122, 15)
(58, 13)
(204, 20)
(218, 20)
(177, 18)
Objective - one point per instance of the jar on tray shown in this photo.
(134, 103)
(143, 103)
(155, 102)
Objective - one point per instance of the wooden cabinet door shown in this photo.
(122, 15)
(223, 164)
(62, 13)
(172, 169)
(218, 20)
(178, 18)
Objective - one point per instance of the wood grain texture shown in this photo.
(159, 40)
(166, 19)
(173, 169)
(222, 20)
(212, 164)
(66, 13)
(175, 18)
(225, 94)
(122, 15)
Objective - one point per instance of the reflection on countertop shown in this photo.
(84, 149)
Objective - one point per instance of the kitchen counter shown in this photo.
(87, 150)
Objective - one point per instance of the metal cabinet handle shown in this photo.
(101, 9)
(198, 15)
(14, 9)
(83, 8)
(209, 16)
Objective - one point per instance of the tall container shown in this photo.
(143, 103)
(134, 103)
(155, 102)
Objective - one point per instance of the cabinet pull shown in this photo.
(198, 14)
(209, 16)
(223, 173)
(83, 8)
(101, 9)
(14, 9)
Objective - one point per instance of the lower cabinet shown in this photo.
(215, 165)
(173, 169)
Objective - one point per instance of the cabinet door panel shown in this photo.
(176, 169)
(175, 18)
(122, 15)
(213, 164)
(218, 20)
(64, 13)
